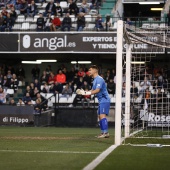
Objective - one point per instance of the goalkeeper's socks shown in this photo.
(101, 127)
(104, 125)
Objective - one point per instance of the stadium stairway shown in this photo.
(107, 7)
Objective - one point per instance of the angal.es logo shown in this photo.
(26, 41)
(50, 43)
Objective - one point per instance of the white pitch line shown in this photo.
(100, 158)
(67, 152)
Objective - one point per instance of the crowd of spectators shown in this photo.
(50, 19)
(151, 84)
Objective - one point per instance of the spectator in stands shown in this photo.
(67, 90)
(48, 23)
(40, 23)
(14, 83)
(134, 91)
(20, 72)
(6, 82)
(161, 98)
(8, 23)
(32, 87)
(71, 74)
(36, 90)
(59, 9)
(52, 88)
(129, 22)
(58, 87)
(2, 96)
(146, 100)
(160, 79)
(123, 89)
(144, 85)
(28, 90)
(81, 72)
(80, 83)
(37, 84)
(26, 98)
(66, 23)
(73, 9)
(111, 87)
(60, 78)
(32, 9)
(18, 4)
(76, 100)
(81, 22)
(51, 79)
(45, 88)
(66, 74)
(86, 86)
(1, 21)
(44, 78)
(50, 8)
(99, 23)
(37, 107)
(12, 102)
(56, 23)
(84, 8)
(20, 102)
(13, 15)
(168, 16)
(48, 70)
(86, 98)
(9, 75)
(4, 12)
(35, 72)
(24, 6)
(42, 100)
(95, 4)
(107, 76)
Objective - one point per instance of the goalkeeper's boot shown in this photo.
(107, 135)
(102, 135)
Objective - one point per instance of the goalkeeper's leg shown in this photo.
(103, 111)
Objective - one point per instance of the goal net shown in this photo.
(145, 93)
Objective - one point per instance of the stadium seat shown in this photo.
(25, 26)
(73, 19)
(20, 83)
(33, 27)
(21, 18)
(35, 18)
(63, 99)
(145, 25)
(44, 5)
(63, 4)
(93, 12)
(88, 18)
(10, 91)
(29, 19)
(89, 27)
(41, 11)
(113, 100)
(16, 27)
(18, 12)
(154, 26)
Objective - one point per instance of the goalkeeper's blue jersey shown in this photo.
(99, 83)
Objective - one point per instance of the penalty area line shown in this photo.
(67, 152)
(100, 158)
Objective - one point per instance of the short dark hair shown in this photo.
(94, 67)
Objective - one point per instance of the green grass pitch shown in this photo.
(72, 149)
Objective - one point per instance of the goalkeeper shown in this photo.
(99, 88)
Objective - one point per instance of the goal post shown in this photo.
(118, 104)
(142, 114)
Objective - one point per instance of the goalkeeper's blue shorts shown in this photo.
(103, 108)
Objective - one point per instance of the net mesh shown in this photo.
(150, 87)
